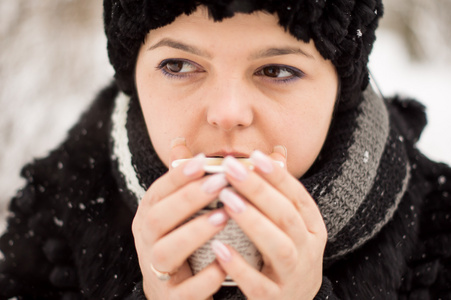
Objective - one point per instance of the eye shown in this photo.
(280, 72)
(178, 67)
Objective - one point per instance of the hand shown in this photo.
(283, 221)
(164, 241)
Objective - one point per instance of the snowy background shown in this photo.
(53, 61)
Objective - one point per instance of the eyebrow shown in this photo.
(260, 54)
(281, 51)
(181, 46)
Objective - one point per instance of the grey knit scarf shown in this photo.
(358, 180)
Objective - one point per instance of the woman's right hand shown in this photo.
(163, 241)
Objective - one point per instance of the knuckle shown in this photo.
(289, 221)
(286, 255)
(298, 202)
(152, 197)
(160, 257)
(187, 192)
(154, 224)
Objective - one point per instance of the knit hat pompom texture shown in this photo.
(343, 31)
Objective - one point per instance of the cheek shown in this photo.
(167, 119)
(307, 131)
(303, 149)
(157, 116)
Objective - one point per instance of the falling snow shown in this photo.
(58, 222)
(366, 157)
(91, 162)
(359, 33)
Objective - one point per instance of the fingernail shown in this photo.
(281, 150)
(263, 162)
(232, 200)
(178, 141)
(218, 218)
(234, 168)
(221, 251)
(194, 165)
(214, 183)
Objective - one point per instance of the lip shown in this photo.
(223, 154)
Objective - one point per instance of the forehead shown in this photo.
(199, 34)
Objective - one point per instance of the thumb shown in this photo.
(279, 153)
(179, 150)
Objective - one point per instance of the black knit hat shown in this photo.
(343, 31)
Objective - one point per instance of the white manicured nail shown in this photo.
(178, 141)
(263, 162)
(218, 218)
(214, 183)
(221, 251)
(232, 200)
(234, 168)
(194, 165)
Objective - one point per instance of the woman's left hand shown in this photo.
(278, 214)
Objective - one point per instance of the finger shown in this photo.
(271, 202)
(291, 187)
(252, 282)
(203, 285)
(174, 180)
(277, 248)
(173, 249)
(280, 154)
(176, 208)
(179, 150)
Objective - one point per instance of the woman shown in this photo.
(355, 211)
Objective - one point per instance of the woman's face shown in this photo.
(235, 86)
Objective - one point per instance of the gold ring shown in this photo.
(163, 276)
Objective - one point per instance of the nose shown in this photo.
(230, 106)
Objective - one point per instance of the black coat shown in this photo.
(69, 235)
